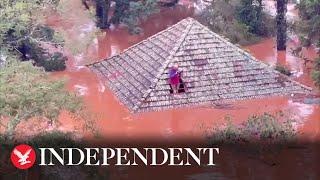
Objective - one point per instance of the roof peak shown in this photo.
(188, 20)
(213, 70)
(168, 61)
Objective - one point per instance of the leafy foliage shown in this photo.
(220, 17)
(137, 11)
(265, 128)
(309, 31)
(250, 13)
(56, 62)
(127, 12)
(309, 26)
(261, 137)
(41, 57)
(283, 70)
(26, 92)
(18, 20)
(22, 32)
(122, 6)
(316, 72)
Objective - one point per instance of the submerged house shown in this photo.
(214, 70)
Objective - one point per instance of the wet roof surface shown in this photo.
(214, 70)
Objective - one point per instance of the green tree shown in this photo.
(246, 27)
(27, 92)
(22, 31)
(137, 11)
(250, 13)
(122, 6)
(127, 12)
(316, 72)
(309, 30)
(262, 136)
(309, 25)
(264, 128)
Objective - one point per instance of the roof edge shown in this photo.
(224, 39)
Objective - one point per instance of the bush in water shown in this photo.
(50, 62)
(55, 62)
(258, 129)
(283, 70)
(316, 72)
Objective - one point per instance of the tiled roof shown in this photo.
(214, 70)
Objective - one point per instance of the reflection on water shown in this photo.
(266, 51)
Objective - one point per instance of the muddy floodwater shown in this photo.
(115, 121)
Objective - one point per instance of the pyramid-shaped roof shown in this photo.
(214, 70)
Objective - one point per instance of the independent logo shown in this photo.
(23, 156)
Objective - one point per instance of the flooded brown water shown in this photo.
(265, 51)
(115, 122)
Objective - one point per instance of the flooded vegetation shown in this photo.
(84, 44)
(111, 42)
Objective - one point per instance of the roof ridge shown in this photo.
(136, 44)
(166, 63)
(238, 48)
(228, 71)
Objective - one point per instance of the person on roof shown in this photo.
(174, 78)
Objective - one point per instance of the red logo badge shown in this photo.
(23, 156)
